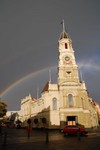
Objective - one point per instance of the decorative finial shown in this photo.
(49, 75)
(81, 76)
(37, 92)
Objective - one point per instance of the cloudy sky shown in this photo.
(29, 33)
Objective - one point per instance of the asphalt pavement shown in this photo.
(21, 139)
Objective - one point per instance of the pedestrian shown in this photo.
(79, 134)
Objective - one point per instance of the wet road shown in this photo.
(19, 139)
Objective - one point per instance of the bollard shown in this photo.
(5, 139)
(28, 132)
(47, 136)
(79, 134)
(29, 127)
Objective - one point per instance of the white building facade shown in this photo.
(66, 102)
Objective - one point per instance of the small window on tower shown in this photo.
(66, 46)
(69, 72)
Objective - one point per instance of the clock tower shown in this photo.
(67, 67)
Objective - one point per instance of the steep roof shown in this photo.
(64, 35)
(46, 87)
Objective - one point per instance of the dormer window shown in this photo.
(66, 46)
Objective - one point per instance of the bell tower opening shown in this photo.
(66, 46)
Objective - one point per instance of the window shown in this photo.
(36, 120)
(70, 100)
(66, 46)
(54, 103)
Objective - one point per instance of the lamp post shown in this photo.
(44, 121)
(29, 127)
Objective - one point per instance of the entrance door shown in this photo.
(72, 120)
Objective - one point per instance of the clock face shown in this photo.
(67, 58)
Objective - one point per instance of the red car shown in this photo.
(74, 130)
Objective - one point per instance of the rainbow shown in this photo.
(21, 80)
(89, 65)
(30, 75)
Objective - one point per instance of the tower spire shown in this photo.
(64, 34)
(63, 25)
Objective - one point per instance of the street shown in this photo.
(20, 139)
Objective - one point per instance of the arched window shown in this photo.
(70, 100)
(54, 103)
(36, 120)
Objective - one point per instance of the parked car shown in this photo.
(74, 130)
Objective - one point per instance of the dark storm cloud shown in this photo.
(29, 32)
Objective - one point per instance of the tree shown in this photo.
(3, 109)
